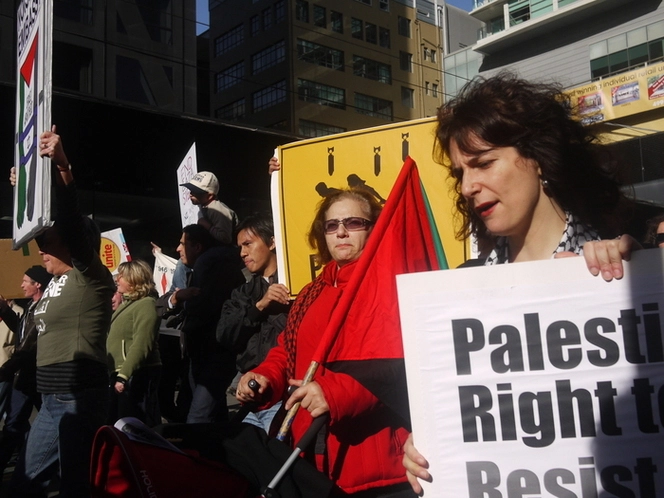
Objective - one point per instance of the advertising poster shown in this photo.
(537, 379)
(368, 159)
(32, 199)
(113, 250)
(622, 95)
(187, 169)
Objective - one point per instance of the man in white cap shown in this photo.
(215, 216)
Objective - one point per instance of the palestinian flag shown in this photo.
(27, 140)
(363, 338)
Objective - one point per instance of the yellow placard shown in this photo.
(369, 159)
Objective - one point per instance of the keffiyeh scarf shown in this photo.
(575, 235)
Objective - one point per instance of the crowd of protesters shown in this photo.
(88, 349)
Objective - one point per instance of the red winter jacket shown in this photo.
(363, 446)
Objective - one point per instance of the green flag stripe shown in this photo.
(437, 242)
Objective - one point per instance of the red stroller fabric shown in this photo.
(124, 468)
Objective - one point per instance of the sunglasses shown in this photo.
(352, 224)
(659, 238)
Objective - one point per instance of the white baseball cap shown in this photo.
(203, 180)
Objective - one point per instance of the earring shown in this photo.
(545, 184)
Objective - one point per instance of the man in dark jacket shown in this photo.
(22, 366)
(217, 270)
(256, 313)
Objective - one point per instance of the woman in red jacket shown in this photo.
(360, 448)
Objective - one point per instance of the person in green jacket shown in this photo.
(132, 345)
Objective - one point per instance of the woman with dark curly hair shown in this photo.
(531, 181)
(133, 353)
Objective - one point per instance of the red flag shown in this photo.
(363, 338)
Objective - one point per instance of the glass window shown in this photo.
(314, 129)
(384, 5)
(384, 37)
(233, 111)
(434, 89)
(317, 93)
(637, 37)
(319, 16)
(254, 25)
(230, 76)
(655, 30)
(337, 21)
(319, 54)
(598, 50)
(638, 55)
(599, 67)
(72, 67)
(618, 61)
(656, 49)
(432, 54)
(407, 97)
(356, 29)
(365, 2)
(373, 106)
(403, 25)
(302, 10)
(74, 10)
(406, 61)
(371, 33)
(268, 57)
(280, 11)
(267, 18)
(617, 43)
(158, 19)
(373, 70)
(130, 81)
(270, 96)
(229, 40)
(426, 87)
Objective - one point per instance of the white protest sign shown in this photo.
(164, 268)
(187, 169)
(113, 250)
(537, 379)
(32, 195)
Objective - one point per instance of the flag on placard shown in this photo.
(164, 267)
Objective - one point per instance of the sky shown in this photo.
(203, 16)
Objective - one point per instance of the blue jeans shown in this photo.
(60, 440)
(263, 418)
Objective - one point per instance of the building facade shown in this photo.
(125, 101)
(608, 54)
(315, 68)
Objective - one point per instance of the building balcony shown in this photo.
(504, 29)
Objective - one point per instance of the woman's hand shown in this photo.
(311, 398)
(50, 144)
(606, 257)
(119, 387)
(245, 394)
(415, 465)
(12, 176)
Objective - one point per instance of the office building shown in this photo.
(320, 67)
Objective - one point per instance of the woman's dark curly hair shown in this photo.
(316, 235)
(536, 119)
